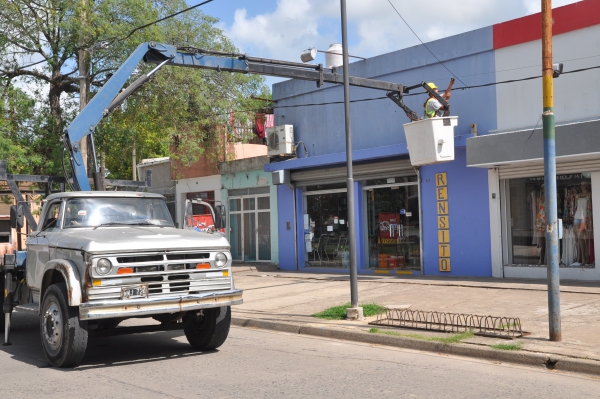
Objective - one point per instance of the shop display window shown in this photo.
(393, 227)
(326, 227)
(527, 221)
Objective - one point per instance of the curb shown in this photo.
(547, 361)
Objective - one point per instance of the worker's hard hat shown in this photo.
(432, 85)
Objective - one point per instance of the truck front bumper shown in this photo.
(150, 306)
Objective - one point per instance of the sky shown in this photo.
(282, 29)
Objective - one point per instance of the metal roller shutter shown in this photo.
(361, 172)
(562, 167)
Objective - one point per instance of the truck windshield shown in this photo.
(94, 212)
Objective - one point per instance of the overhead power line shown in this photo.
(158, 20)
(416, 94)
(414, 33)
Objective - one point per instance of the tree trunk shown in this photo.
(55, 108)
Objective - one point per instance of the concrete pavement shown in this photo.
(285, 301)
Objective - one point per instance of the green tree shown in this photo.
(39, 46)
(17, 129)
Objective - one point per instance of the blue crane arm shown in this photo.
(85, 123)
(109, 98)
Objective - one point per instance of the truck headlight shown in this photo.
(103, 266)
(220, 260)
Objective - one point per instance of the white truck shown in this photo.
(98, 258)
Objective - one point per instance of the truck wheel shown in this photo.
(211, 330)
(63, 338)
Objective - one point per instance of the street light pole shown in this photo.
(553, 270)
(354, 312)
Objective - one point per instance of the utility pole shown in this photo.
(553, 270)
(354, 312)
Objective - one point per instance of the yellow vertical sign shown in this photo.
(441, 192)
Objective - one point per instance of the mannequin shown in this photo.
(582, 224)
(540, 226)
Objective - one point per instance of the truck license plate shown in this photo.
(134, 291)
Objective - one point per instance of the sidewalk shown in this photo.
(285, 301)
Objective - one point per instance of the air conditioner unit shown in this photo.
(280, 140)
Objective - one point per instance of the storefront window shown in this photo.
(326, 240)
(527, 221)
(393, 227)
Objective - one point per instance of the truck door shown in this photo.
(39, 247)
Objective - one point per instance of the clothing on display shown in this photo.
(568, 247)
(528, 220)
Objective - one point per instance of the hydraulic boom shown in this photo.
(108, 98)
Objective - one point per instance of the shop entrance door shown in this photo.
(393, 224)
(250, 228)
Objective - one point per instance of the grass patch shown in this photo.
(508, 347)
(452, 339)
(339, 312)
(372, 309)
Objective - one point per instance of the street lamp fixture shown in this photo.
(335, 49)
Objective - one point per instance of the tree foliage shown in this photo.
(40, 41)
(17, 127)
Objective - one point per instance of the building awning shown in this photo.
(575, 142)
(373, 170)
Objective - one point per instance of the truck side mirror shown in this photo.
(16, 216)
(220, 217)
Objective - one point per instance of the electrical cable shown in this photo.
(533, 131)
(415, 94)
(115, 39)
(466, 87)
(434, 56)
(385, 97)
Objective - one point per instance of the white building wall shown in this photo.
(575, 95)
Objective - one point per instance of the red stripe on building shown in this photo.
(566, 19)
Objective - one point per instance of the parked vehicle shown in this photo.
(98, 258)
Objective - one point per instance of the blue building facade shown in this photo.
(482, 214)
(396, 206)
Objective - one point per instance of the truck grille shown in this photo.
(195, 283)
(166, 274)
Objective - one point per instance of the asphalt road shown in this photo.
(266, 364)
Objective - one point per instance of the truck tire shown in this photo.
(63, 338)
(211, 330)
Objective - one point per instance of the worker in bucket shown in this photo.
(433, 108)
